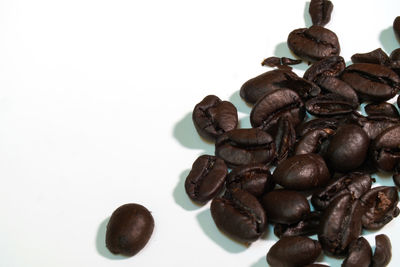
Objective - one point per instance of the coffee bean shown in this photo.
(309, 225)
(314, 43)
(320, 11)
(380, 205)
(359, 255)
(394, 63)
(373, 125)
(385, 149)
(293, 251)
(334, 85)
(396, 26)
(129, 229)
(285, 206)
(280, 62)
(382, 109)
(206, 179)
(213, 117)
(306, 89)
(285, 139)
(316, 124)
(239, 215)
(329, 105)
(383, 251)
(315, 141)
(377, 56)
(327, 67)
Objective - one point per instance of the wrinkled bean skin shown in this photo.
(373, 125)
(285, 139)
(213, 117)
(359, 255)
(307, 226)
(340, 225)
(383, 251)
(320, 12)
(336, 86)
(377, 56)
(348, 148)
(206, 178)
(245, 146)
(380, 206)
(302, 172)
(355, 184)
(385, 149)
(129, 229)
(327, 67)
(239, 215)
(285, 206)
(396, 26)
(329, 105)
(255, 179)
(315, 141)
(293, 252)
(314, 43)
(382, 109)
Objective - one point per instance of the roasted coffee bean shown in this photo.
(348, 148)
(206, 179)
(359, 255)
(372, 82)
(314, 43)
(320, 11)
(255, 179)
(309, 225)
(377, 56)
(213, 117)
(394, 63)
(329, 105)
(382, 109)
(280, 62)
(340, 224)
(380, 206)
(355, 184)
(315, 141)
(280, 103)
(306, 89)
(285, 139)
(245, 146)
(385, 149)
(129, 229)
(316, 124)
(293, 252)
(383, 251)
(373, 125)
(285, 206)
(252, 90)
(329, 66)
(239, 215)
(302, 172)
(396, 26)
(336, 86)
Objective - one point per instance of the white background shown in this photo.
(95, 112)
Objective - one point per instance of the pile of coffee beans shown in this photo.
(311, 130)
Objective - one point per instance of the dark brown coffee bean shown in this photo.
(385, 149)
(382, 109)
(315, 141)
(255, 179)
(320, 11)
(302, 172)
(206, 179)
(340, 224)
(280, 62)
(293, 252)
(348, 148)
(306, 89)
(355, 184)
(239, 215)
(396, 26)
(329, 105)
(327, 67)
(318, 123)
(372, 82)
(314, 43)
(380, 206)
(377, 56)
(280, 103)
(129, 229)
(383, 251)
(213, 117)
(336, 86)
(285, 139)
(245, 146)
(285, 206)
(373, 125)
(359, 255)
(394, 63)
(309, 225)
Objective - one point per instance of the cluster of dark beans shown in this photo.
(330, 157)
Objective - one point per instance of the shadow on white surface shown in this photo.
(101, 243)
(388, 40)
(307, 16)
(239, 103)
(180, 195)
(210, 229)
(262, 262)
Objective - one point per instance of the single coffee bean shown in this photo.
(326, 67)
(315, 141)
(285, 206)
(382, 109)
(377, 56)
(320, 11)
(316, 124)
(359, 255)
(302, 172)
(394, 63)
(206, 179)
(293, 251)
(348, 148)
(373, 125)
(380, 206)
(385, 149)
(314, 43)
(336, 86)
(383, 251)
(213, 117)
(309, 225)
(245, 146)
(329, 105)
(396, 26)
(340, 225)
(280, 103)
(255, 179)
(355, 184)
(239, 215)
(372, 82)
(285, 139)
(280, 62)
(129, 229)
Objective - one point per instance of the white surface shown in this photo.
(95, 112)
